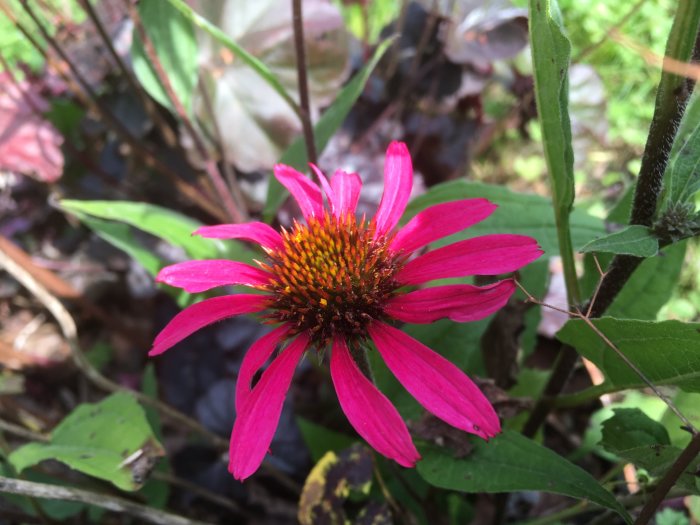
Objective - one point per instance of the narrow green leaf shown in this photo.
(326, 126)
(517, 213)
(633, 240)
(551, 54)
(120, 236)
(511, 462)
(668, 352)
(258, 66)
(175, 43)
(163, 223)
(110, 440)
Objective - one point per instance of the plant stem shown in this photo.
(91, 100)
(669, 479)
(302, 78)
(672, 97)
(234, 211)
(105, 501)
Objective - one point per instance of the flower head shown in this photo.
(338, 281)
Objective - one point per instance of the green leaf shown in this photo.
(551, 53)
(320, 439)
(651, 285)
(107, 440)
(175, 44)
(163, 223)
(120, 236)
(631, 428)
(636, 438)
(682, 178)
(326, 126)
(258, 66)
(667, 352)
(511, 462)
(517, 213)
(633, 240)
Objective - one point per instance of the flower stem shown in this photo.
(672, 97)
(305, 113)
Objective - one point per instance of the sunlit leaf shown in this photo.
(110, 440)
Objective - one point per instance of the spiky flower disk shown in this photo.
(332, 277)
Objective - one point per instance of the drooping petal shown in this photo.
(323, 181)
(459, 302)
(254, 359)
(487, 255)
(199, 276)
(440, 221)
(256, 423)
(398, 182)
(258, 232)
(305, 192)
(204, 313)
(437, 384)
(346, 192)
(368, 410)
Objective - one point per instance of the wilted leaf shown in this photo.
(265, 124)
(481, 32)
(29, 144)
(110, 440)
(334, 479)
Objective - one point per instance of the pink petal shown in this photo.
(459, 302)
(398, 181)
(199, 276)
(369, 411)
(323, 181)
(437, 384)
(255, 425)
(203, 313)
(346, 192)
(440, 221)
(259, 232)
(487, 255)
(254, 359)
(305, 192)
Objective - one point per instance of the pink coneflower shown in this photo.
(336, 281)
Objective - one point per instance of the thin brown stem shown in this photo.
(70, 333)
(234, 212)
(98, 499)
(128, 75)
(218, 142)
(669, 480)
(92, 101)
(302, 79)
(615, 27)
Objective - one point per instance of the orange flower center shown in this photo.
(331, 277)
